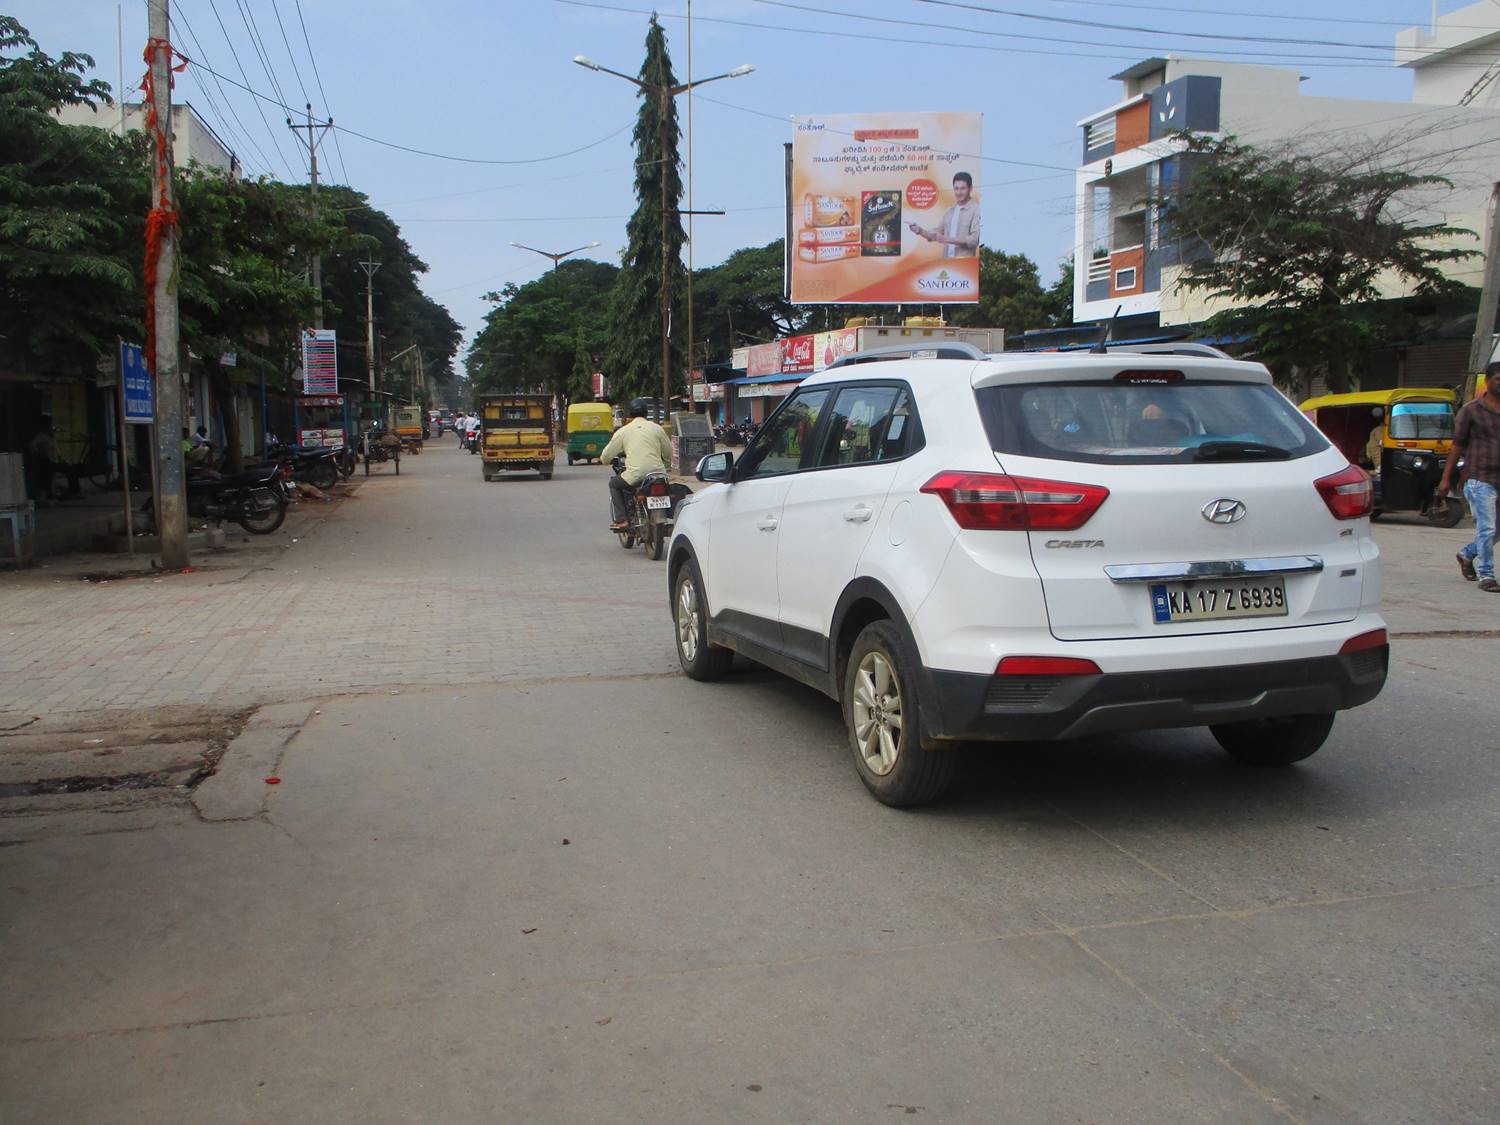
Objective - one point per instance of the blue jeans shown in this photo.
(1481, 497)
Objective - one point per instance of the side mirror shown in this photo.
(716, 466)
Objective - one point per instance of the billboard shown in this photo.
(320, 362)
(885, 208)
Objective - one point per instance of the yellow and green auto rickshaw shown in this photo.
(515, 433)
(1403, 437)
(590, 425)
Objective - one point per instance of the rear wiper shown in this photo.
(1238, 450)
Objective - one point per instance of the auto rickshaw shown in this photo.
(515, 433)
(590, 425)
(409, 427)
(1403, 437)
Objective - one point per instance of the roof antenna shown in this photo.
(1099, 348)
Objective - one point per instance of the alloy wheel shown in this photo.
(878, 721)
(687, 619)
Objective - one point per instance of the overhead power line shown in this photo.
(279, 104)
(327, 109)
(1339, 62)
(275, 142)
(1382, 57)
(247, 139)
(287, 43)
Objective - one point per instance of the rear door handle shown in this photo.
(859, 513)
(768, 523)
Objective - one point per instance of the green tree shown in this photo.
(243, 287)
(1010, 295)
(404, 315)
(532, 339)
(1299, 240)
(72, 206)
(740, 300)
(635, 307)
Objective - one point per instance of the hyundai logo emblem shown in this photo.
(1224, 511)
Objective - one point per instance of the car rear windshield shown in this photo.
(1166, 423)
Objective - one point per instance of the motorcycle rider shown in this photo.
(647, 449)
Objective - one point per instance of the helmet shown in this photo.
(640, 407)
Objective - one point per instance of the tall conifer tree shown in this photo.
(634, 361)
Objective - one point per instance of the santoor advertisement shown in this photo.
(886, 208)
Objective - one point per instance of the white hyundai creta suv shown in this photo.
(1038, 546)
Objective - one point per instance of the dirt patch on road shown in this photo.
(109, 752)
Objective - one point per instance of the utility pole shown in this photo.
(161, 310)
(1489, 299)
(315, 134)
(370, 268)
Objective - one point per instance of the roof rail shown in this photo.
(937, 349)
(1176, 347)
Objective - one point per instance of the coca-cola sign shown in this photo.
(797, 353)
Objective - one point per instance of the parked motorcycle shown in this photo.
(651, 512)
(319, 468)
(254, 499)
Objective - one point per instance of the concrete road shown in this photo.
(522, 871)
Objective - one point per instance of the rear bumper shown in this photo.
(962, 705)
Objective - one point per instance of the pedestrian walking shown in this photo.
(1476, 441)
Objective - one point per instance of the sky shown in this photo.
(545, 144)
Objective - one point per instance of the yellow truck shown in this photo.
(515, 434)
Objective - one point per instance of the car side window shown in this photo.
(858, 425)
(784, 445)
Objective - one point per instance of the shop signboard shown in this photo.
(764, 390)
(796, 355)
(320, 362)
(764, 359)
(320, 438)
(829, 347)
(739, 358)
(140, 388)
(886, 208)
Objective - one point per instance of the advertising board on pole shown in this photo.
(886, 208)
(320, 361)
(139, 389)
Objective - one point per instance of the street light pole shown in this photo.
(664, 95)
(556, 257)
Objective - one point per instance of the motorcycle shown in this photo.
(651, 511)
(320, 468)
(255, 499)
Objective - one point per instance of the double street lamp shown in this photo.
(557, 257)
(664, 94)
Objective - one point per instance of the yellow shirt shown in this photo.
(645, 445)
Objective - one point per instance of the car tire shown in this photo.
(700, 660)
(1274, 742)
(882, 716)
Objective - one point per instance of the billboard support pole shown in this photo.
(124, 447)
(786, 246)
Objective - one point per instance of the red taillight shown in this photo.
(1375, 638)
(1349, 493)
(998, 502)
(658, 488)
(1046, 666)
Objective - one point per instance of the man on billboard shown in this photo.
(958, 230)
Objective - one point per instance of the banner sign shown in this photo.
(320, 362)
(319, 438)
(763, 359)
(765, 390)
(320, 400)
(140, 388)
(796, 355)
(886, 208)
(831, 346)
